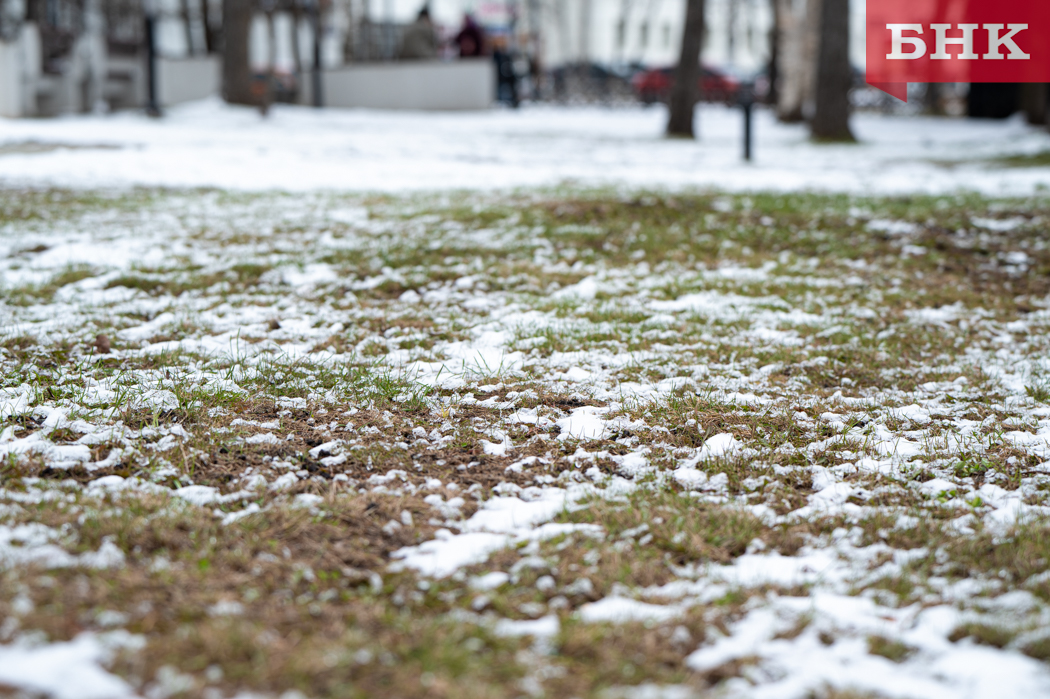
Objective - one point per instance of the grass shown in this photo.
(333, 393)
(1041, 159)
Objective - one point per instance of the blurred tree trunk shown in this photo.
(684, 90)
(211, 38)
(772, 96)
(993, 100)
(830, 120)
(798, 36)
(187, 27)
(1033, 102)
(297, 59)
(236, 73)
(585, 31)
(932, 101)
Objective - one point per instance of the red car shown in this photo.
(653, 86)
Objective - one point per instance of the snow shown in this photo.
(718, 446)
(902, 433)
(499, 522)
(69, 670)
(36, 544)
(208, 144)
(617, 609)
(544, 627)
(490, 581)
(582, 423)
(794, 667)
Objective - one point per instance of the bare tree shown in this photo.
(187, 26)
(585, 31)
(830, 120)
(684, 90)
(1034, 102)
(933, 100)
(212, 32)
(774, 55)
(621, 28)
(236, 73)
(797, 30)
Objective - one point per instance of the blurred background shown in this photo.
(75, 56)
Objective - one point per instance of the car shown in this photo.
(652, 86)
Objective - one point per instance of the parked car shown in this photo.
(654, 86)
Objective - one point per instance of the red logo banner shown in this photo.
(967, 41)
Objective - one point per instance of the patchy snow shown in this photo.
(794, 666)
(498, 523)
(848, 449)
(39, 545)
(208, 144)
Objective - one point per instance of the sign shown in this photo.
(956, 41)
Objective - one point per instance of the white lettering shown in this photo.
(966, 41)
(995, 41)
(899, 40)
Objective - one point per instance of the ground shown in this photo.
(563, 441)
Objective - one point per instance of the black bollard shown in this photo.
(747, 101)
(315, 21)
(152, 105)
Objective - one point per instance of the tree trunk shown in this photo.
(211, 37)
(831, 116)
(236, 73)
(187, 27)
(932, 100)
(297, 58)
(585, 31)
(684, 90)
(1033, 102)
(772, 97)
(798, 29)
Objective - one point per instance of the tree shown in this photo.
(684, 91)
(1034, 102)
(774, 55)
(236, 73)
(797, 28)
(830, 120)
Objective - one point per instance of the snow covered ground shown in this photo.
(298, 149)
(544, 442)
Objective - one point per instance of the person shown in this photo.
(506, 75)
(471, 39)
(420, 41)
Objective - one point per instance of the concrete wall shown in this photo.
(426, 85)
(187, 79)
(11, 79)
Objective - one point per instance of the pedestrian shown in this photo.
(420, 41)
(506, 74)
(471, 38)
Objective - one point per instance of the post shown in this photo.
(152, 106)
(315, 18)
(747, 101)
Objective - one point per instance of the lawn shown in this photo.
(560, 442)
